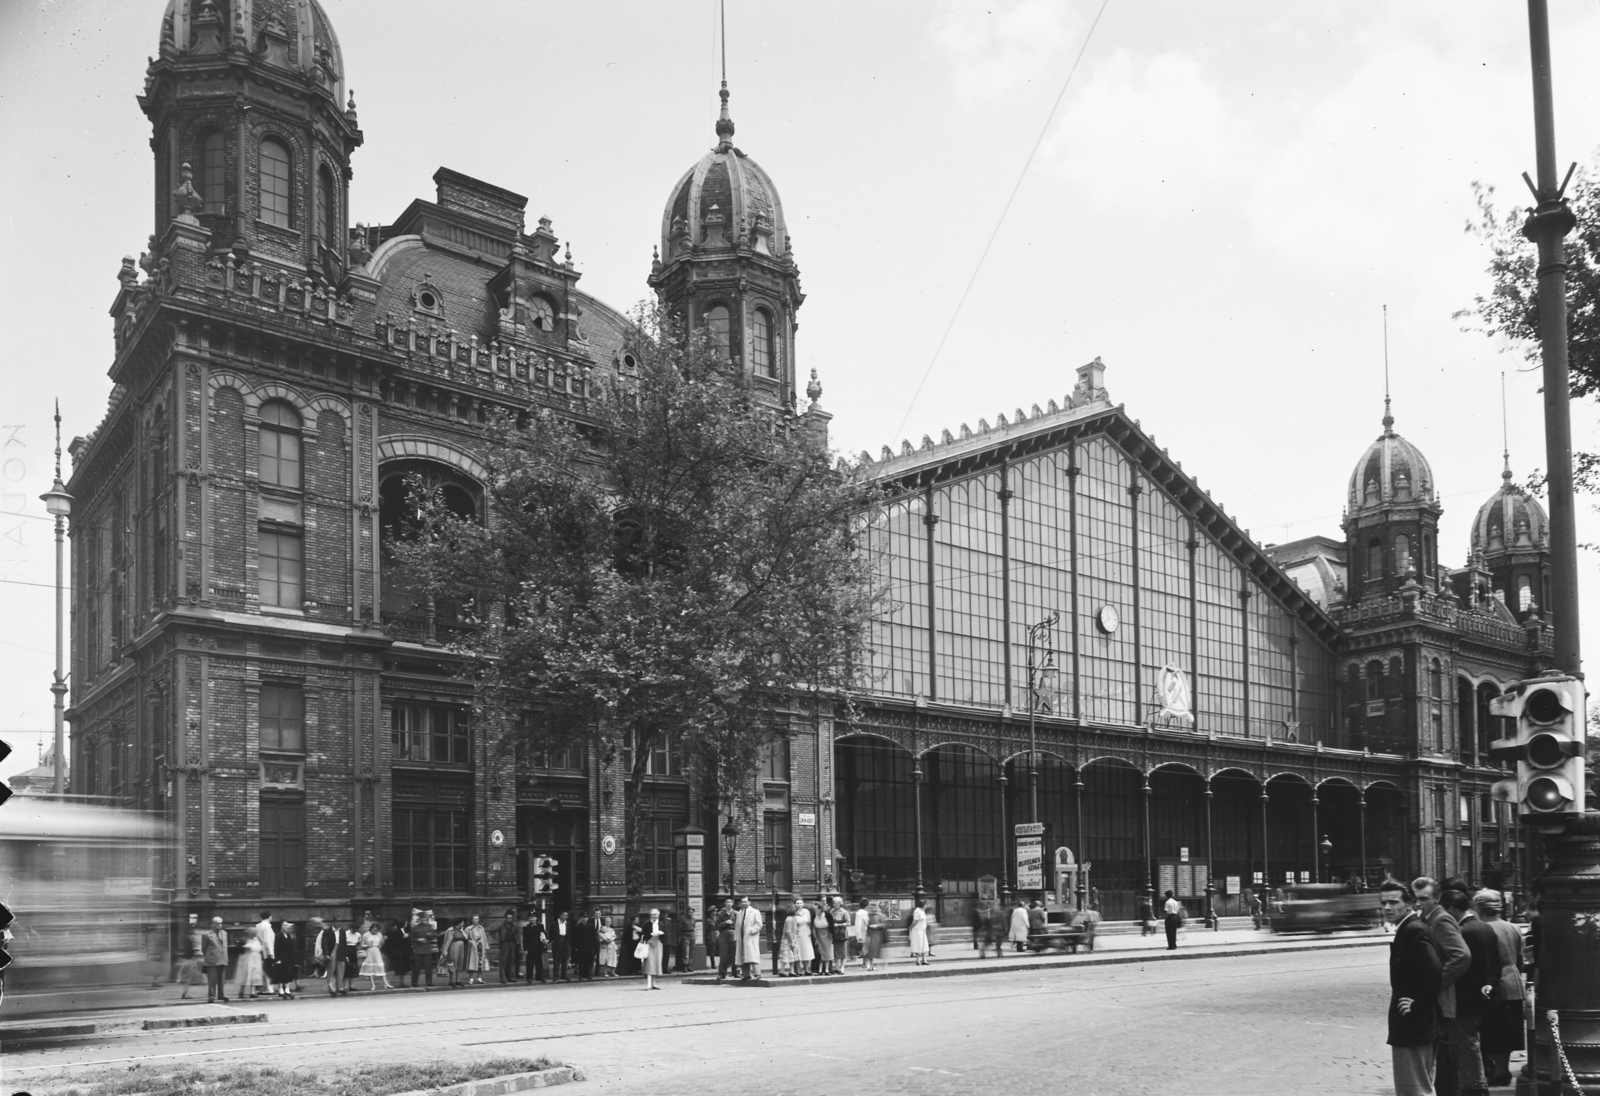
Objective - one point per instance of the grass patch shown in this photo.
(356, 1080)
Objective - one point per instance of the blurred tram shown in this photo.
(79, 878)
(1325, 907)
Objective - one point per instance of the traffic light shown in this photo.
(1547, 744)
(6, 917)
(544, 870)
(5, 792)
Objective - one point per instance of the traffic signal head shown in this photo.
(1547, 746)
(6, 917)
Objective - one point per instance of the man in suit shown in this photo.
(586, 945)
(533, 946)
(1472, 992)
(1454, 959)
(214, 958)
(747, 933)
(726, 946)
(1414, 986)
(508, 939)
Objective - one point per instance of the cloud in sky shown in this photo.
(994, 48)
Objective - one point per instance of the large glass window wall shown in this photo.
(1236, 640)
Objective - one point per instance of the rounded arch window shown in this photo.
(213, 171)
(541, 314)
(1435, 679)
(1402, 553)
(279, 446)
(397, 522)
(328, 197)
(762, 358)
(717, 327)
(1374, 680)
(275, 182)
(1524, 594)
(1374, 559)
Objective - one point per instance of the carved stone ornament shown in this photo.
(186, 198)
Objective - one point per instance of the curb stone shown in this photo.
(511, 1082)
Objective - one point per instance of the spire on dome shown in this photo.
(724, 122)
(1388, 416)
(1505, 434)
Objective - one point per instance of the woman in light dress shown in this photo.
(608, 949)
(477, 951)
(919, 934)
(250, 969)
(877, 936)
(651, 933)
(372, 967)
(798, 935)
(454, 952)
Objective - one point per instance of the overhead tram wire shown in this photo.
(978, 267)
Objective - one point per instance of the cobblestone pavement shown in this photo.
(1292, 1022)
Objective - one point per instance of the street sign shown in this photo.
(1029, 829)
(1030, 860)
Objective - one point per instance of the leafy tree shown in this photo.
(1511, 307)
(674, 564)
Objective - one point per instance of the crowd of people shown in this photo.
(272, 958)
(1456, 1006)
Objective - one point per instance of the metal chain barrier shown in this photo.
(1561, 1052)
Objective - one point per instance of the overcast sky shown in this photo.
(1222, 205)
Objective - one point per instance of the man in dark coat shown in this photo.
(1472, 993)
(214, 957)
(586, 945)
(533, 946)
(723, 920)
(508, 942)
(1414, 972)
(1037, 920)
(424, 935)
(1454, 959)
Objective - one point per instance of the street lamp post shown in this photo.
(59, 505)
(730, 839)
(1038, 637)
(1327, 864)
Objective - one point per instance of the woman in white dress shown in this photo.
(804, 950)
(650, 934)
(372, 967)
(919, 934)
(250, 970)
(608, 949)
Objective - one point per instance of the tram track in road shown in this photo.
(468, 1027)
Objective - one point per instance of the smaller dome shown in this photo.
(302, 22)
(1392, 471)
(1510, 521)
(724, 199)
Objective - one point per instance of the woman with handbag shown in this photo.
(648, 949)
(372, 967)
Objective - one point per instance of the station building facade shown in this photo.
(249, 665)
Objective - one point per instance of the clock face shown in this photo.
(1107, 619)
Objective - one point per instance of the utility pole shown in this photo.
(1566, 1042)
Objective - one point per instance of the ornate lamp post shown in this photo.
(1327, 864)
(59, 505)
(730, 841)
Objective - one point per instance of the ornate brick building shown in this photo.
(247, 664)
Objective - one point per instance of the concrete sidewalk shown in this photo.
(962, 958)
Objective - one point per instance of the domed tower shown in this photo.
(1511, 541)
(253, 130)
(1391, 518)
(725, 264)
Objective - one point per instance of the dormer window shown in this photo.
(1371, 491)
(1402, 485)
(425, 297)
(541, 314)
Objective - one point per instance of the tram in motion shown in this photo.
(78, 877)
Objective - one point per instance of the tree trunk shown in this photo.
(633, 847)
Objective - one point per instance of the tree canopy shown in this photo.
(1510, 308)
(674, 562)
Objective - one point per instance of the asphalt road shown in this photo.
(1286, 1022)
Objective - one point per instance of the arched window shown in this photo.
(717, 328)
(1397, 677)
(1524, 594)
(275, 188)
(1402, 553)
(1374, 680)
(761, 357)
(1374, 560)
(280, 445)
(328, 197)
(1435, 680)
(1427, 553)
(214, 172)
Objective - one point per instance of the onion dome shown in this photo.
(723, 201)
(299, 27)
(1392, 471)
(1510, 521)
